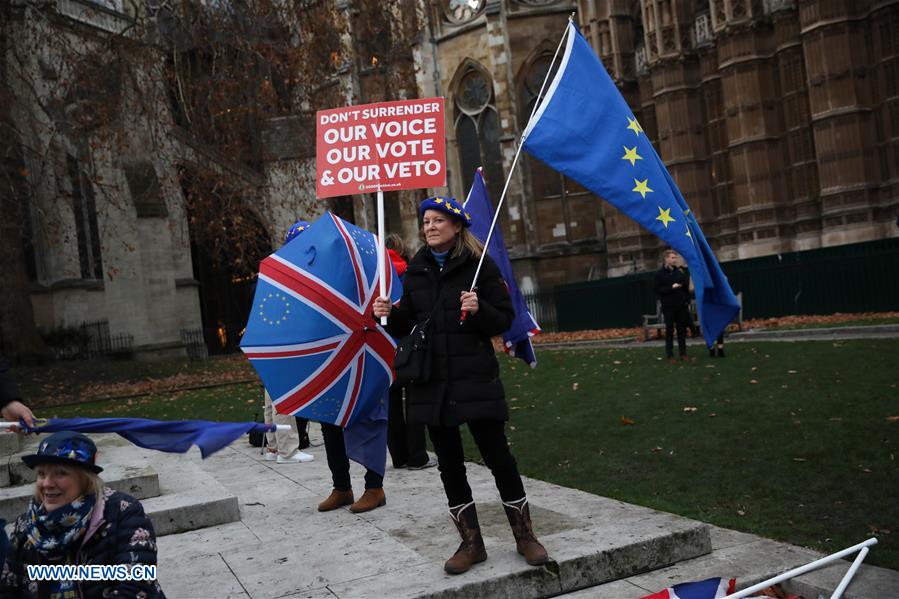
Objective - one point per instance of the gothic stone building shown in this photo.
(779, 120)
(108, 238)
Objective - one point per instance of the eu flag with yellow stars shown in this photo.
(584, 129)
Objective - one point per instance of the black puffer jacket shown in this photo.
(123, 535)
(9, 391)
(464, 382)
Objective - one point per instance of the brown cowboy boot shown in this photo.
(371, 499)
(335, 500)
(519, 516)
(471, 551)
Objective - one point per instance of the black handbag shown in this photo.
(413, 353)
(413, 357)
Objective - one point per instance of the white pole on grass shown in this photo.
(863, 546)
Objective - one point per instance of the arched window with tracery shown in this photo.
(477, 130)
(565, 212)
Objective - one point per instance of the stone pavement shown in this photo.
(235, 525)
(283, 547)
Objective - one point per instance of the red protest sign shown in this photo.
(388, 145)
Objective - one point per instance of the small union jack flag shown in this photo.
(311, 335)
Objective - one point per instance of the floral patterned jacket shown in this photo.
(119, 533)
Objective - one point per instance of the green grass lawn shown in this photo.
(226, 403)
(791, 441)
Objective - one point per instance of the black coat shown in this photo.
(464, 383)
(9, 391)
(670, 297)
(124, 535)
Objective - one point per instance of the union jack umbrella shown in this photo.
(311, 335)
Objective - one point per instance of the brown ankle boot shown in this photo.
(519, 515)
(335, 500)
(471, 551)
(371, 499)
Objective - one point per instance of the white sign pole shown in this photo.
(806, 568)
(382, 274)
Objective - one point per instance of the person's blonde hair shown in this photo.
(91, 483)
(667, 253)
(466, 240)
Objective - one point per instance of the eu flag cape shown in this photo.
(585, 130)
(517, 340)
(175, 436)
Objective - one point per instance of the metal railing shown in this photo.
(88, 340)
(542, 307)
(194, 343)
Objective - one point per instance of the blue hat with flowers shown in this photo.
(67, 448)
(295, 229)
(447, 205)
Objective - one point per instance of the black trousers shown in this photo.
(339, 464)
(676, 317)
(405, 440)
(490, 437)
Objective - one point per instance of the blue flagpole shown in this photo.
(502, 197)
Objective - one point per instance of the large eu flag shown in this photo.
(517, 340)
(585, 130)
(175, 436)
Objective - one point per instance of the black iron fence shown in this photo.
(88, 340)
(861, 277)
(542, 307)
(194, 343)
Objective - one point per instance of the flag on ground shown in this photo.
(584, 129)
(517, 340)
(174, 436)
(713, 588)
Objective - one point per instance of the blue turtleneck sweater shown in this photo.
(440, 257)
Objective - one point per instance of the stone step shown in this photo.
(10, 443)
(190, 499)
(750, 560)
(283, 547)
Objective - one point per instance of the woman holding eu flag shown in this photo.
(464, 385)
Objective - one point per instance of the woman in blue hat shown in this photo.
(74, 520)
(464, 385)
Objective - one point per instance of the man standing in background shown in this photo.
(673, 287)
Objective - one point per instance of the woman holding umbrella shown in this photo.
(464, 385)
